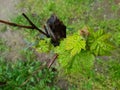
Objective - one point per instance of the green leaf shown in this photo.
(99, 43)
(44, 45)
(81, 63)
(75, 44)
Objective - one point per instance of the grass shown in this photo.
(105, 75)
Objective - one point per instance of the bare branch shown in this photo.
(14, 24)
(50, 32)
(34, 26)
(52, 60)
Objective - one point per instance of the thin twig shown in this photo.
(34, 26)
(45, 29)
(50, 32)
(52, 60)
(14, 24)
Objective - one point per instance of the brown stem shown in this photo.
(49, 31)
(14, 24)
(52, 60)
(34, 26)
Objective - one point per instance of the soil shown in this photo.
(13, 39)
(7, 8)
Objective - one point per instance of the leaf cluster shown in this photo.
(99, 42)
(43, 45)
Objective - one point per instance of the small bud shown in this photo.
(84, 32)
